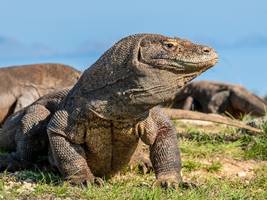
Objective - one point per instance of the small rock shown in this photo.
(241, 174)
(28, 180)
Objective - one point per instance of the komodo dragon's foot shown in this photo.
(188, 185)
(84, 178)
(141, 163)
(167, 181)
(145, 165)
(9, 163)
(79, 181)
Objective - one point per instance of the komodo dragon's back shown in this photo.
(21, 85)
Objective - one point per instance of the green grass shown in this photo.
(134, 186)
(194, 149)
(256, 147)
(202, 152)
(191, 165)
(39, 176)
(214, 166)
(227, 141)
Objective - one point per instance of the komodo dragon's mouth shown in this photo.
(193, 66)
(186, 66)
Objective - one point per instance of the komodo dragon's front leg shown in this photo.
(165, 157)
(159, 133)
(219, 102)
(67, 153)
(30, 139)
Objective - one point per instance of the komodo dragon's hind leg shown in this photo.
(140, 159)
(31, 140)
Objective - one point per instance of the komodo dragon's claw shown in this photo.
(167, 182)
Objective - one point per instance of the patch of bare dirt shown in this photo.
(231, 168)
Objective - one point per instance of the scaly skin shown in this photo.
(22, 85)
(97, 126)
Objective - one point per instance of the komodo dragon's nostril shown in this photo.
(206, 50)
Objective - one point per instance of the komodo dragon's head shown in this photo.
(140, 72)
(176, 55)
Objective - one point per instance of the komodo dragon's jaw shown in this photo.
(139, 72)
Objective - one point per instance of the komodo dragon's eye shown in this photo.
(169, 45)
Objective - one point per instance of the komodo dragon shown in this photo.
(22, 85)
(28, 125)
(216, 97)
(97, 126)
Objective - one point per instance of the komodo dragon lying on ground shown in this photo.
(22, 85)
(97, 126)
(215, 97)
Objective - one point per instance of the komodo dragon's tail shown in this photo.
(192, 115)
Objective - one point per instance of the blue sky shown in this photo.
(77, 32)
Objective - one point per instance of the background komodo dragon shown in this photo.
(216, 97)
(22, 85)
(97, 126)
